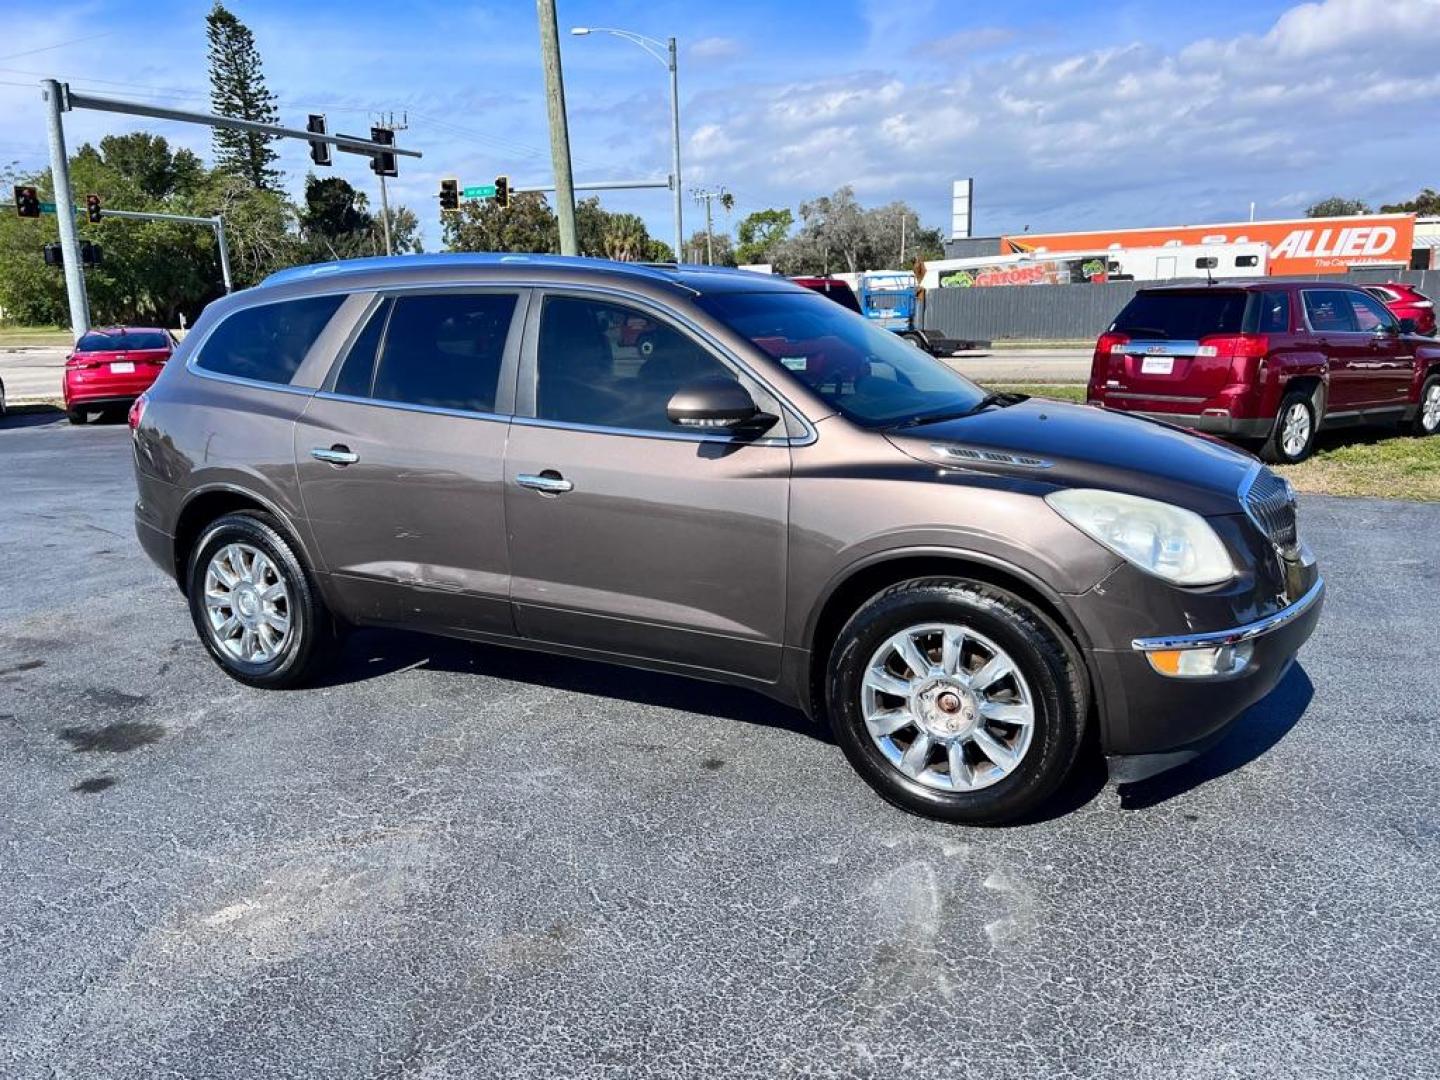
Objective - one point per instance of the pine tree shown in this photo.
(237, 88)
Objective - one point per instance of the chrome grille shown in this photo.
(1270, 502)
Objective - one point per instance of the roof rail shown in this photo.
(476, 259)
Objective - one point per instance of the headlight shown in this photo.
(1167, 541)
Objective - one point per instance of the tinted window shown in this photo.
(838, 291)
(613, 366)
(1273, 315)
(358, 371)
(873, 376)
(1182, 316)
(1247, 260)
(444, 351)
(1329, 311)
(1370, 313)
(267, 342)
(122, 341)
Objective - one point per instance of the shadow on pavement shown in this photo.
(372, 653)
(1262, 726)
(29, 416)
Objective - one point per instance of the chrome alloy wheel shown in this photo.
(247, 604)
(947, 707)
(1430, 408)
(1295, 432)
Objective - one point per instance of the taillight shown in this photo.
(1108, 341)
(1423, 304)
(1240, 349)
(137, 411)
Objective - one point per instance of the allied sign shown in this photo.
(1300, 246)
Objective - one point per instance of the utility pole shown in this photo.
(675, 147)
(559, 128)
(707, 197)
(903, 216)
(387, 123)
(65, 210)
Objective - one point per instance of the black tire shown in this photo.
(1044, 655)
(1420, 425)
(309, 642)
(77, 416)
(1274, 449)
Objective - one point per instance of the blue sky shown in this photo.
(1068, 115)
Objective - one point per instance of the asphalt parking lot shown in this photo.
(462, 861)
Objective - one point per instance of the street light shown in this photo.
(664, 51)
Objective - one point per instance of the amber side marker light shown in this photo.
(1201, 663)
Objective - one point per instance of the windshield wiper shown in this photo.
(959, 414)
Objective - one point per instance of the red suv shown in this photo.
(111, 368)
(1272, 361)
(1406, 302)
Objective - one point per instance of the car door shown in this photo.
(627, 534)
(1392, 355)
(400, 458)
(1330, 318)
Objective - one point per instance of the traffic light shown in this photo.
(92, 209)
(53, 256)
(449, 196)
(27, 201)
(90, 254)
(502, 191)
(320, 152)
(383, 164)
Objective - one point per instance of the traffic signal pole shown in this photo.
(55, 104)
(216, 223)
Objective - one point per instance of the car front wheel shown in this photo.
(253, 604)
(1427, 420)
(957, 700)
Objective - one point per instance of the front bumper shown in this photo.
(1172, 720)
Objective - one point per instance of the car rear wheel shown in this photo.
(254, 605)
(957, 701)
(1427, 419)
(1293, 437)
(77, 416)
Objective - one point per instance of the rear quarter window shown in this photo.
(267, 342)
(1182, 316)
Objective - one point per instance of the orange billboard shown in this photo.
(1301, 246)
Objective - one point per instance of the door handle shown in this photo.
(548, 482)
(335, 455)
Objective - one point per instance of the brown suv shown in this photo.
(776, 494)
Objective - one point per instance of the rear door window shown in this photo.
(267, 342)
(357, 374)
(444, 350)
(1182, 316)
(1329, 311)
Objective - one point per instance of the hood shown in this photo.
(1081, 446)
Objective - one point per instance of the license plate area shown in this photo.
(1157, 365)
(122, 367)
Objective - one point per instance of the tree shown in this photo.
(528, 224)
(237, 89)
(147, 162)
(1336, 206)
(1427, 204)
(335, 221)
(761, 233)
(721, 251)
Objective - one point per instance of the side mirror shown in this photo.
(1407, 326)
(715, 402)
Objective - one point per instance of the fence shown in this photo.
(1072, 312)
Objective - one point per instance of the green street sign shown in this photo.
(480, 191)
(47, 207)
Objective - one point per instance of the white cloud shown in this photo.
(714, 48)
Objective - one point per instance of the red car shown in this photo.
(1271, 361)
(1407, 302)
(834, 288)
(110, 368)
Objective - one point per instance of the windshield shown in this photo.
(870, 375)
(1182, 316)
(122, 341)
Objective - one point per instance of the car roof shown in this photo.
(1251, 285)
(683, 277)
(126, 330)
